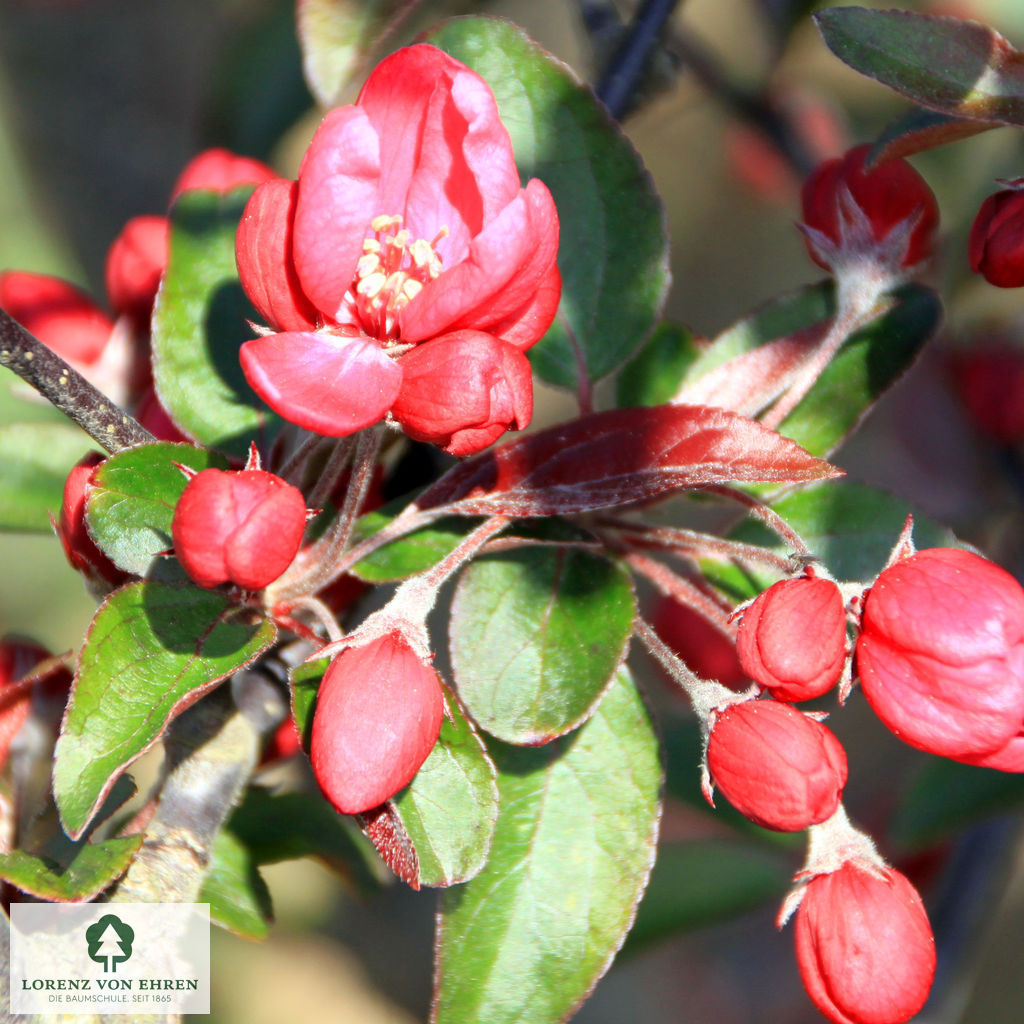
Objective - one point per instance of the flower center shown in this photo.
(390, 274)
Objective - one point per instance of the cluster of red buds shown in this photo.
(938, 650)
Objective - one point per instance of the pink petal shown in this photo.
(263, 250)
(463, 391)
(446, 157)
(337, 200)
(328, 383)
(508, 278)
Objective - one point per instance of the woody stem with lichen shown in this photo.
(67, 390)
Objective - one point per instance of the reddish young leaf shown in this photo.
(621, 456)
(383, 827)
(750, 381)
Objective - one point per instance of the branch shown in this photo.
(66, 389)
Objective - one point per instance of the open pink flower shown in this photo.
(407, 224)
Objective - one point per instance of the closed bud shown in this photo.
(463, 391)
(241, 527)
(136, 261)
(221, 170)
(989, 380)
(378, 715)
(941, 652)
(792, 639)
(151, 414)
(18, 659)
(864, 946)
(72, 529)
(61, 316)
(775, 765)
(704, 647)
(890, 196)
(995, 247)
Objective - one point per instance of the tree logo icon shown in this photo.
(110, 941)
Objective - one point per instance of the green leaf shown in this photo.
(35, 459)
(613, 252)
(700, 883)
(411, 554)
(781, 316)
(945, 796)
(449, 809)
(336, 37)
(867, 365)
(239, 898)
(850, 526)
(536, 637)
(947, 64)
(94, 867)
(529, 937)
(286, 826)
(131, 503)
(305, 681)
(151, 651)
(747, 367)
(654, 375)
(199, 324)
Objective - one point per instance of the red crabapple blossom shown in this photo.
(407, 225)
(60, 315)
(891, 202)
(864, 945)
(941, 652)
(242, 527)
(792, 639)
(995, 247)
(777, 766)
(378, 715)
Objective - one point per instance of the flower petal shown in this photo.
(509, 278)
(328, 383)
(337, 200)
(463, 391)
(446, 157)
(263, 249)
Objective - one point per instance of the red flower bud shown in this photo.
(463, 391)
(240, 527)
(378, 715)
(154, 417)
(135, 263)
(792, 639)
(61, 316)
(990, 383)
(995, 247)
(17, 660)
(283, 743)
(941, 652)
(221, 170)
(888, 194)
(79, 547)
(705, 649)
(864, 945)
(775, 765)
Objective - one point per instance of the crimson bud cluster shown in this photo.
(939, 653)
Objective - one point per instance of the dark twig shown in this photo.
(625, 71)
(67, 390)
